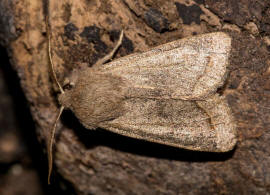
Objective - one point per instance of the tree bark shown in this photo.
(100, 162)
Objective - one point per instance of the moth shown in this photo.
(167, 94)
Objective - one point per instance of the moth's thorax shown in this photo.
(95, 97)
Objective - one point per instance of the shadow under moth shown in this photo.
(166, 95)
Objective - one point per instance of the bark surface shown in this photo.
(100, 162)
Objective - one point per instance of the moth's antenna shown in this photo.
(50, 157)
(50, 145)
(50, 55)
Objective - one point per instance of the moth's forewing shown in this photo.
(190, 68)
(159, 83)
(183, 124)
(221, 122)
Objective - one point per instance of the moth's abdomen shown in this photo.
(95, 98)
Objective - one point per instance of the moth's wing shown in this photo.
(159, 80)
(196, 125)
(190, 68)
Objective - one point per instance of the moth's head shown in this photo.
(65, 98)
(70, 85)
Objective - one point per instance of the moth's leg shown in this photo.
(221, 121)
(110, 55)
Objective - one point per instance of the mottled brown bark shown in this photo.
(99, 162)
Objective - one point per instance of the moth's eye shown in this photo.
(68, 86)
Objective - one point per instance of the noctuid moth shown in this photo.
(167, 94)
